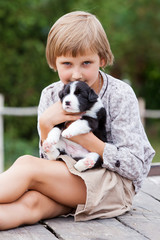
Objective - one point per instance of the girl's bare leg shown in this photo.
(52, 187)
(51, 178)
(29, 209)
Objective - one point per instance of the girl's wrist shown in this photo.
(45, 127)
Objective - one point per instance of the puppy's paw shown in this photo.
(54, 154)
(84, 164)
(47, 146)
(54, 135)
(53, 139)
(89, 163)
(51, 151)
(67, 134)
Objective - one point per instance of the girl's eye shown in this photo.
(67, 63)
(86, 63)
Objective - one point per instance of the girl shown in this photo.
(35, 188)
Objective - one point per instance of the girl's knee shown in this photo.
(31, 205)
(27, 163)
(26, 159)
(28, 211)
(30, 199)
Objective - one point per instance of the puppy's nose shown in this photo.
(68, 103)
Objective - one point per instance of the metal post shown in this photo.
(1, 135)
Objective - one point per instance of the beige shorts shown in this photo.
(108, 194)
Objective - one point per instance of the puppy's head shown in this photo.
(77, 97)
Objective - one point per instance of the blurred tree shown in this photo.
(22, 49)
(24, 25)
(134, 33)
(131, 26)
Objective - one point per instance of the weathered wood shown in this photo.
(151, 186)
(109, 229)
(34, 232)
(155, 169)
(145, 216)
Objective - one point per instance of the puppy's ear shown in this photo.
(61, 94)
(92, 96)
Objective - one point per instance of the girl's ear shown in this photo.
(102, 62)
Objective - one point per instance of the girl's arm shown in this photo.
(128, 151)
(90, 142)
(52, 116)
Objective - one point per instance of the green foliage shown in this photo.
(153, 133)
(134, 36)
(24, 71)
(131, 26)
(15, 147)
(151, 87)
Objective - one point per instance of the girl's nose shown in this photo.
(77, 75)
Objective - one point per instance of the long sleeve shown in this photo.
(49, 96)
(127, 151)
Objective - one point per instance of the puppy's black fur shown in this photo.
(87, 98)
(78, 97)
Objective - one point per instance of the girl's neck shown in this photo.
(98, 84)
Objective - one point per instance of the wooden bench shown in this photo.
(142, 222)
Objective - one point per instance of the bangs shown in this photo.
(74, 34)
(76, 49)
(77, 43)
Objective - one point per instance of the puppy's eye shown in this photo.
(67, 89)
(77, 92)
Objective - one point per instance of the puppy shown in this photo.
(78, 97)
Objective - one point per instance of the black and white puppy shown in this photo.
(78, 97)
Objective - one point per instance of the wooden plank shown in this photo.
(151, 186)
(147, 202)
(34, 232)
(144, 217)
(155, 169)
(110, 229)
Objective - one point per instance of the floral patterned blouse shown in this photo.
(127, 150)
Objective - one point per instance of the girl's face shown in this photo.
(83, 68)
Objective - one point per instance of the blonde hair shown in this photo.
(74, 33)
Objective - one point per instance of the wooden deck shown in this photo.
(142, 222)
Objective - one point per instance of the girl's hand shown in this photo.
(52, 116)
